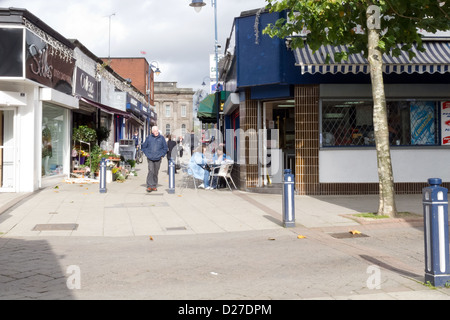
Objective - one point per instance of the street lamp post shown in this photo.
(153, 66)
(197, 5)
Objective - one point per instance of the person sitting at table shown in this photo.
(218, 158)
(197, 166)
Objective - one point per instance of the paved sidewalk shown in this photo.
(126, 209)
(200, 244)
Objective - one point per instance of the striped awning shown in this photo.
(436, 59)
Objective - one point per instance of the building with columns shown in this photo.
(174, 107)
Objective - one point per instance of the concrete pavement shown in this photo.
(200, 244)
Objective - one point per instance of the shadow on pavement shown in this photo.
(31, 270)
(389, 267)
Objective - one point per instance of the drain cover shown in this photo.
(176, 228)
(348, 235)
(56, 227)
(139, 205)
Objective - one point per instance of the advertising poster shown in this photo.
(422, 123)
(445, 123)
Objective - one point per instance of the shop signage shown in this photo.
(86, 85)
(445, 124)
(47, 65)
(133, 105)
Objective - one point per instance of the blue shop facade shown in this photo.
(288, 109)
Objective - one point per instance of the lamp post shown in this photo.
(109, 37)
(157, 71)
(197, 5)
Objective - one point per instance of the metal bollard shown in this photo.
(288, 199)
(103, 176)
(171, 176)
(435, 217)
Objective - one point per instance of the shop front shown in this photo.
(36, 101)
(298, 112)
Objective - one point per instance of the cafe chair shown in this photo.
(187, 175)
(223, 171)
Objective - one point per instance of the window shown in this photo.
(167, 129)
(168, 112)
(350, 123)
(54, 125)
(183, 111)
(183, 130)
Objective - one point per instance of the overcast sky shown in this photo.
(169, 31)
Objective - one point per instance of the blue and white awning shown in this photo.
(436, 59)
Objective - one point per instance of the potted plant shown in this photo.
(84, 134)
(102, 134)
(95, 157)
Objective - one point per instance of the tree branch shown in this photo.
(400, 15)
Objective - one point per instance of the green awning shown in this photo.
(207, 110)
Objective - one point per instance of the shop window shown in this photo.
(350, 123)
(54, 125)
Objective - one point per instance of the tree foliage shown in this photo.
(344, 22)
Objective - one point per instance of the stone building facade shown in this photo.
(174, 107)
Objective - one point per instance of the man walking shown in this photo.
(154, 148)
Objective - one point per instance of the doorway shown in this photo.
(7, 151)
(278, 141)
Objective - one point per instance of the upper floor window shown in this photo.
(168, 111)
(184, 111)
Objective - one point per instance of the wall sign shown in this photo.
(86, 85)
(47, 65)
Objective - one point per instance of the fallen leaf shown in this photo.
(301, 237)
(271, 239)
(151, 238)
(355, 232)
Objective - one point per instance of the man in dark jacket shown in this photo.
(171, 154)
(154, 148)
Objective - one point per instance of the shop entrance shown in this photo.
(278, 144)
(7, 148)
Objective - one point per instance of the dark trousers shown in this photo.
(152, 176)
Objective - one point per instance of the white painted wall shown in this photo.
(409, 165)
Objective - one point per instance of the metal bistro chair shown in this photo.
(223, 171)
(187, 174)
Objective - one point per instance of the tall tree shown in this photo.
(384, 26)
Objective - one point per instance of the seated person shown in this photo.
(197, 166)
(219, 158)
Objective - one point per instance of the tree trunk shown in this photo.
(386, 179)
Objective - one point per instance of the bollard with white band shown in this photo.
(103, 176)
(171, 176)
(288, 199)
(435, 217)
